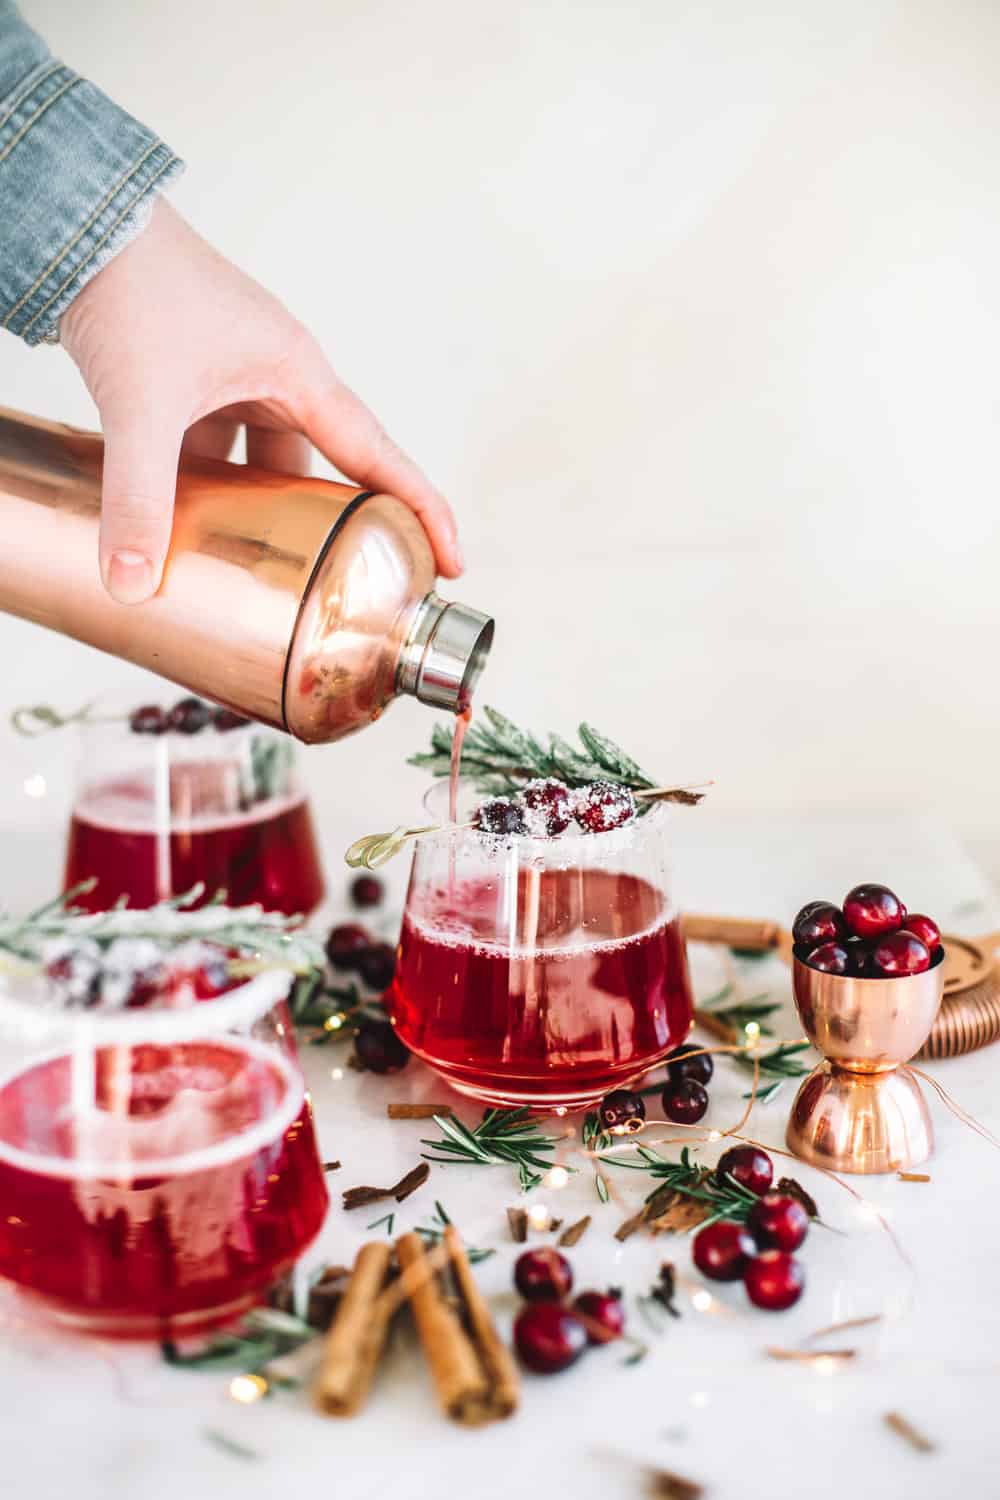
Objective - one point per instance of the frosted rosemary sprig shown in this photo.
(268, 937)
(498, 757)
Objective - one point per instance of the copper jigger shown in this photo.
(861, 1110)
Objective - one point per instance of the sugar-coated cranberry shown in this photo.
(225, 719)
(603, 1316)
(501, 816)
(212, 976)
(684, 1103)
(622, 1111)
(377, 966)
(830, 958)
(543, 1275)
(688, 1063)
(366, 891)
(871, 910)
(818, 922)
(723, 1250)
(345, 943)
(548, 807)
(189, 716)
(379, 1049)
(778, 1222)
(774, 1280)
(548, 1337)
(926, 929)
(900, 953)
(602, 806)
(747, 1165)
(149, 719)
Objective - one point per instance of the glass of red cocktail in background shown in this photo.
(158, 1165)
(541, 971)
(157, 812)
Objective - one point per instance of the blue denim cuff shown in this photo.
(77, 182)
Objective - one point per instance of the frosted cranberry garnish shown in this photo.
(602, 806)
(548, 807)
(499, 815)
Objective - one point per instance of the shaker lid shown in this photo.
(445, 654)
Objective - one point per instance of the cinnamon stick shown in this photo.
(475, 1379)
(715, 1026)
(417, 1111)
(357, 1335)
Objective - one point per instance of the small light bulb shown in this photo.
(34, 786)
(824, 1365)
(561, 1110)
(702, 1301)
(333, 1023)
(246, 1389)
(752, 1029)
(336, 1074)
(556, 1177)
(538, 1216)
(715, 1135)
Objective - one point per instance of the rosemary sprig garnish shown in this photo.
(742, 1012)
(725, 1199)
(499, 758)
(502, 1137)
(268, 937)
(780, 1065)
(433, 1233)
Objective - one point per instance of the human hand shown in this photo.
(178, 348)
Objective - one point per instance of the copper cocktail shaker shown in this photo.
(304, 604)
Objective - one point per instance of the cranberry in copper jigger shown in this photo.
(774, 1280)
(871, 910)
(830, 958)
(926, 929)
(549, 1337)
(818, 922)
(723, 1250)
(899, 954)
(778, 1222)
(747, 1165)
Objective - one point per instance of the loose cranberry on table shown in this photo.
(723, 1250)
(818, 922)
(602, 806)
(684, 1103)
(686, 1063)
(499, 815)
(900, 954)
(778, 1222)
(548, 806)
(926, 929)
(774, 1280)
(543, 1275)
(367, 891)
(871, 910)
(150, 719)
(830, 958)
(377, 965)
(747, 1165)
(603, 1316)
(379, 1049)
(549, 1337)
(345, 943)
(189, 716)
(622, 1111)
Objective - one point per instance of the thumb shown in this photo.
(137, 504)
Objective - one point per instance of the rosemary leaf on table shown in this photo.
(720, 1200)
(502, 1138)
(741, 1012)
(433, 1233)
(781, 1064)
(596, 1138)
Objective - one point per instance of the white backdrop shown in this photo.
(692, 310)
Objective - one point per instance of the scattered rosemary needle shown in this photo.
(502, 1138)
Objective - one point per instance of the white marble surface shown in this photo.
(100, 1422)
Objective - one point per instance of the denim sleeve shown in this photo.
(77, 181)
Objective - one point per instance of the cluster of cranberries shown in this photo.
(684, 1098)
(351, 949)
(759, 1252)
(549, 1333)
(133, 972)
(872, 936)
(188, 716)
(546, 808)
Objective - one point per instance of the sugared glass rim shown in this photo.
(610, 841)
(33, 1021)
